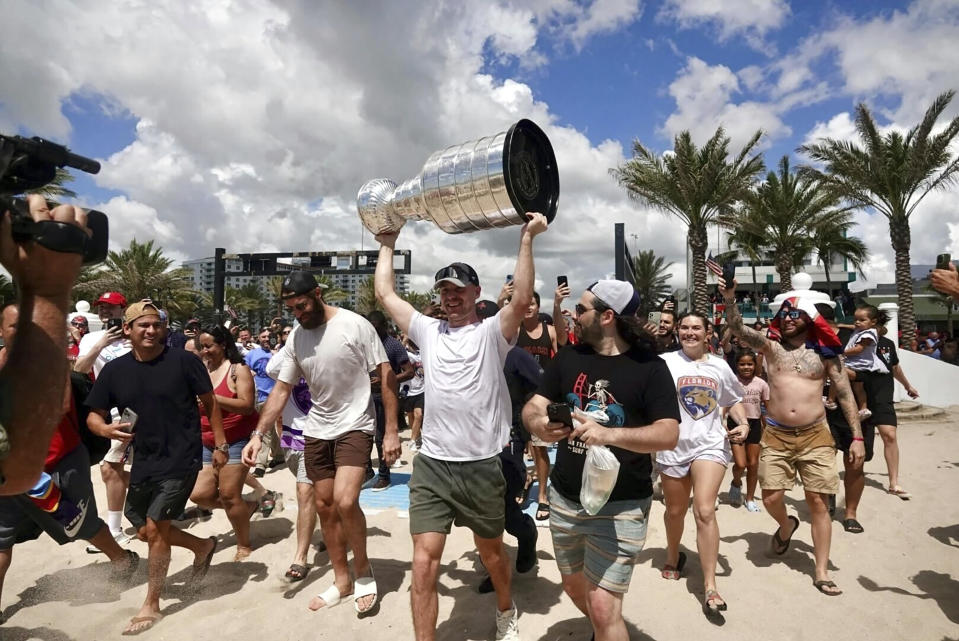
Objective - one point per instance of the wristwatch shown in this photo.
(225, 448)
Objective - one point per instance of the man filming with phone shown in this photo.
(96, 349)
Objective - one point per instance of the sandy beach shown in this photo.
(901, 577)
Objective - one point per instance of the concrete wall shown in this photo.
(936, 382)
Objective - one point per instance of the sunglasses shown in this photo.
(793, 314)
(581, 309)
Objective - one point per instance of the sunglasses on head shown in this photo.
(794, 314)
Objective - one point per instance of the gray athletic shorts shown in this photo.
(296, 465)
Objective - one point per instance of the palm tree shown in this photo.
(785, 211)
(891, 174)
(418, 300)
(694, 184)
(833, 240)
(141, 271)
(752, 247)
(331, 293)
(651, 273)
(366, 297)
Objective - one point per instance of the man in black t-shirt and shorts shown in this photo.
(623, 397)
(161, 385)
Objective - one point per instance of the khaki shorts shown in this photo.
(322, 458)
(810, 451)
(468, 493)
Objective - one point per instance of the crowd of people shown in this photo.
(196, 414)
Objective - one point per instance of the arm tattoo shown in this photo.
(734, 320)
(844, 395)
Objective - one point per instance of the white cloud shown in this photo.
(751, 19)
(258, 122)
(704, 100)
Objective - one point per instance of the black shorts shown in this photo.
(842, 433)
(22, 520)
(879, 391)
(158, 500)
(412, 402)
(755, 430)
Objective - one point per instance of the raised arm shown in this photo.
(523, 276)
(734, 320)
(399, 310)
(562, 335)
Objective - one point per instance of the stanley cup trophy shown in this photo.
(482, 184)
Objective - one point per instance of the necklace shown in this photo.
(796, 364)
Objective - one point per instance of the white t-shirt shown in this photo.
(703, 388)
(335, 359)
(414, 386)
(466, 414)
(114, 350)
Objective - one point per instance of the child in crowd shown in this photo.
(746, 455)
(860, 354)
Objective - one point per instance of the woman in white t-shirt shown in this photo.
(705, 385)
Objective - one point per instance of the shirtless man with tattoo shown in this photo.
(797, 437)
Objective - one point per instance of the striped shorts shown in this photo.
(605, 547)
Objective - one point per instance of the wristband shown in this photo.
(260, 434)
(857, 438)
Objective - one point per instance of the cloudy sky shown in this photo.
(250, 124)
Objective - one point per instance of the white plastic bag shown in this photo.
(599, 478)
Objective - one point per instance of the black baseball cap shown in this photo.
(460, 274)
(298, 283)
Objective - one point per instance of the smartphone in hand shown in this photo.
(559, 413)
(114, 323)
(561, 281)
(129, 416)
(729, 273)
(943, 261)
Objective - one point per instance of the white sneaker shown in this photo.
(507, 625)
(121, 537)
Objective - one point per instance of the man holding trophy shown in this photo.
(457, 476)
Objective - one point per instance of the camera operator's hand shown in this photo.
(37, 270)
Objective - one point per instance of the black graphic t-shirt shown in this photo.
(632, 389)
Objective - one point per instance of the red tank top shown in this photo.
(236, 426)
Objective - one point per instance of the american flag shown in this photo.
(713, 266)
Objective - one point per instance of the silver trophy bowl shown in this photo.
(482, 184)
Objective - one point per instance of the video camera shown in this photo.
(31, 163)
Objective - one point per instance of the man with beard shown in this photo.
(334, 350)
(457, 476)
(797, 436)
(624, 398)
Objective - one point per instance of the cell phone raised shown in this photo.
(729, 273)
(129, 416)
(114, 323)
(509, 278)
(561, 281)
(943, 261)
(559, 413)
(654, 317)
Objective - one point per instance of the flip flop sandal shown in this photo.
(151, 620)
(852, 526)
(268, 503)
(542, 508)
(199, 571)
(522, 496)
(901, 493)
(297, 572)
(331, 597)
(673, 573)
(713, 604)
(778, 543)
(821, 585)
(364, 586)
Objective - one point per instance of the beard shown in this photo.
(315, 318)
